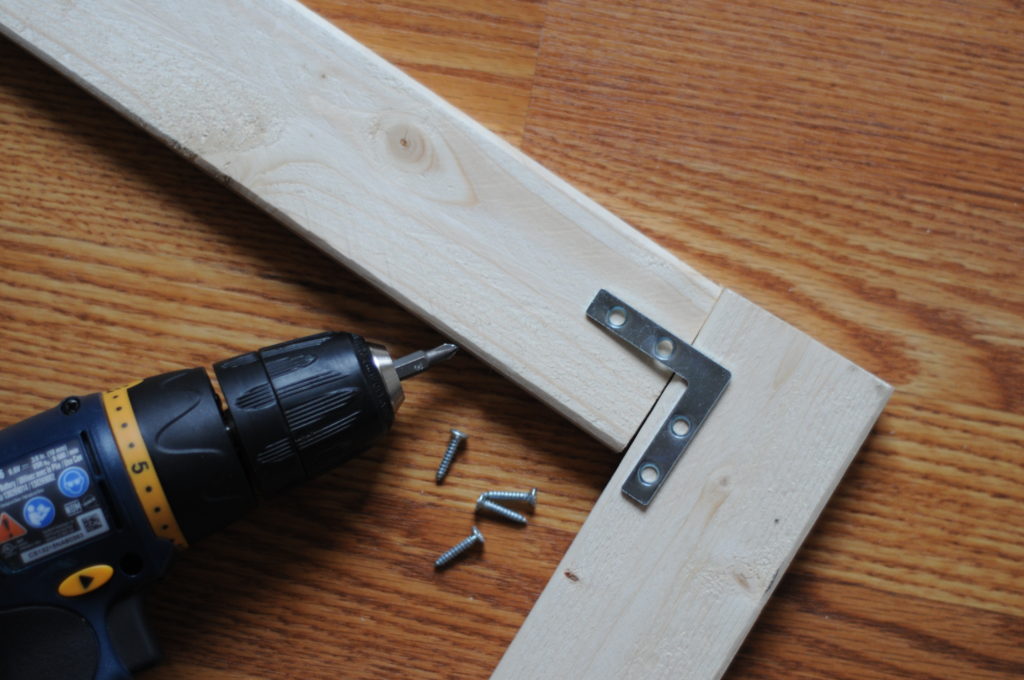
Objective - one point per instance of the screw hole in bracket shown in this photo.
(664, 348)
(679, 426)
(648, 474)
(617, 317)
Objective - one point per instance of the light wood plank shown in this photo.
(671, 591)
(385, 176)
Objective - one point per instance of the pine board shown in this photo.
(389, 179)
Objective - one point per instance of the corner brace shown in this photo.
(705, 382)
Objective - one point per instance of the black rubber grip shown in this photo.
(198, 464)
(133, 641)
(46, 643)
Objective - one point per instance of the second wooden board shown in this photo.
(670, 591)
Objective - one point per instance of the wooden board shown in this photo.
(389, 179)
(670, 591)
(848, 166)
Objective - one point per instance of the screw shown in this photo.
(528, 497)
(70, 406)
(465, 544)
(449, 455)
(500, 510)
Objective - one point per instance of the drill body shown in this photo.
(98, 493)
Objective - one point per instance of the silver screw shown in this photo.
(449, 455)
(500, 510)
(528, 497)
(463, 545)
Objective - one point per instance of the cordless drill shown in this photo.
(98, 493)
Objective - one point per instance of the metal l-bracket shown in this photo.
(705, 382)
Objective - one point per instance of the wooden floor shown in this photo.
(856, 168)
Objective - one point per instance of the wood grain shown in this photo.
(386, 177)
(671, 590)
(797, 152)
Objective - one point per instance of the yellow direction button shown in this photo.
(86, 580)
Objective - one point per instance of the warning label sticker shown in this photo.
(48, 502)
(10, 529)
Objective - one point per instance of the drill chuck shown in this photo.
(291, 412)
